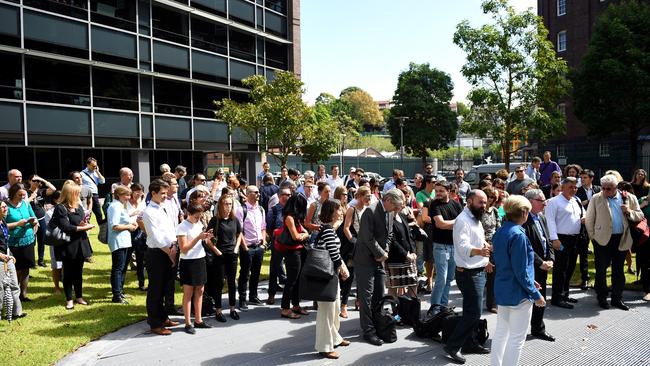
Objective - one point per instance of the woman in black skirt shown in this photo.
(227, 237)
(190, 235)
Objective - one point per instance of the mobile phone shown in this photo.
(87, 215)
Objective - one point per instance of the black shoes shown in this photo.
(571, 300)
(255, 301)
(41, 263)
(120, 300)
(584, 285)
(243, 306)
(455, 355)
(544, 336)
(374, 340)
(476, 349)
(620, 304)
(234, 314)
(189, 329)
(220, 318)
(201, 325)
(562, 304)
(603, 304)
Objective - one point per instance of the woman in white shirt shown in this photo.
(119, 240)
(190, 236)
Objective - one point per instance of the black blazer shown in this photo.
(582, 193)
(372, 236)
(67, 221)
(536, 241)
(403, 242)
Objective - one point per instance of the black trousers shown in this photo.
(346, 286)
(537, 318)
(370, 288)
(97, 209)
(490, 302)
(291, 294)
(225, 265)
(73, 277)
(171, 286)
(40, 240)
(276, 271)
(249, 273)
(582, 247)
(159, 270)
(565, 264)
(139, 247)
(604, 256)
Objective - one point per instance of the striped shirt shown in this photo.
(330, 241)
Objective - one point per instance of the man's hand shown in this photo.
(556, 244)
(485, 251)
(546, 265)
(489, 268)
(625, 209)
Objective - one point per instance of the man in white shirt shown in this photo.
(160, 256)
(91, 178)
(391, 183)
(563, 217)
(463, 187)
(471, 253)
(334, 180)
(14, 176)
(533, 169)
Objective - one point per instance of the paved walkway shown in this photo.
(586, 335)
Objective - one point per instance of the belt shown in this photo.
(472, 270)
(254, 245)
(569, 235)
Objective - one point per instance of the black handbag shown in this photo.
(55, 237)
(318, 289)
(318, 264)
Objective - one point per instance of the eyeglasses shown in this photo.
(519, 171)
(539, 200)
(255, 192)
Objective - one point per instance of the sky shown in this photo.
(367, 43)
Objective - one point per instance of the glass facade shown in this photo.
(131, 74)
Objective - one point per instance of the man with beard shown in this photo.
(471, 253)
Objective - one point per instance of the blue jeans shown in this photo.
(443, 255)
(118, 270)
(471, 284)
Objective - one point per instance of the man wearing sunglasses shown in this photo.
(607, 221)
(520, 182)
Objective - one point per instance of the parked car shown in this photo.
(474, 176)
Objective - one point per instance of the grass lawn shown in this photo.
(49, 332)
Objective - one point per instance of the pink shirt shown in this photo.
(255, 223)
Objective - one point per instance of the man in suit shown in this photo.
(537, 232)
(584, 194)
(375, 234)
(607, 222)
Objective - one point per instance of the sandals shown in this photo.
(330, 355)
(81, 301)
(290, 315)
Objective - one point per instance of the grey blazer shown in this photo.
(372, 236)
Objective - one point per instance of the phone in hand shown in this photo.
(87, 215)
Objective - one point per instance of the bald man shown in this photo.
(14, 176)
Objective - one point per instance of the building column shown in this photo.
(141, 168)
(252, 165)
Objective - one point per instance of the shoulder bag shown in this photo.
(54, 236)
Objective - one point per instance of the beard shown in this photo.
(477, 212)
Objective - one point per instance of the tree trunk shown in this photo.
(505, 147)
(424, 159)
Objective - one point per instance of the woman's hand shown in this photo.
(343, 272)
(21, 222)
(540, 302)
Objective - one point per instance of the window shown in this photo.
(12, 123)
(114, 89)
(603, 150)
(172, 97)
(209, 36)
(143, 17)
(11, 79)
(242, 11)
(259, 18)
(57, 82)
(204, 98)
(212, 6)
(560, 151)
(145, 53)
(46, 125)
(113, 47)
(276, 55)
(146, 123)
(145, 93)
(239, 71)
(210, 131)
(173, 133)
(278, 5)
(171, 59)
(561, 7)
(276, 24)
(561, 41)
(71, 8)
(9, 25)
(209, 67)
(116, 129)
(242, 45)
(57, 35)
(169, 24)
(116, 13)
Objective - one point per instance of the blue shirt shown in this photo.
(514, 261)
(274, 218)
(91, 180)
(540, 230)
(118, 215)
(617, 214)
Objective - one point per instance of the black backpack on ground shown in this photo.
(431, 325)
(408, 308)
(384, 321)
(449, 324)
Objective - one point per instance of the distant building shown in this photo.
(570, 25)
(368, 152)
(384, 104)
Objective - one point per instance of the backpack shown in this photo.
(431, 325)
(408, 308)
(384, 321)
(108, 199)
(449, 325)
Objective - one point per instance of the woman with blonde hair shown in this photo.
(120, 227)
(70, 217)
(341, 194)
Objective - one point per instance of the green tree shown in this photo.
(611, 86)
(276, 113)
(422, 96)
(515, 75)
(322, 136)
(361, 107)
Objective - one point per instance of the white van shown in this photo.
(474, 176)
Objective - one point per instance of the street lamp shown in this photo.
(401, 138)
(342, 150)
(460, 120)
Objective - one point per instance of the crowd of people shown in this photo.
(498, 242)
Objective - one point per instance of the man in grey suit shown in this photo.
(375, 234)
